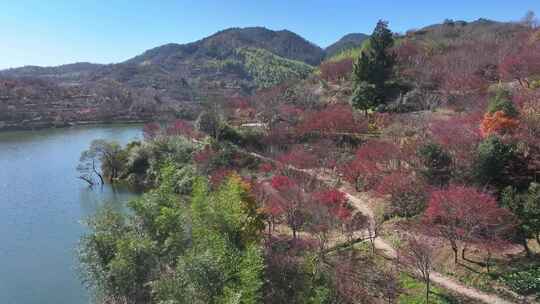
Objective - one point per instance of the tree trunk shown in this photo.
(488, 261)
(455, 250)
(538, 238)
(521, 82)
(463, 250)
(526, 246)
(89, 181)
(427, 291)
(97, 173)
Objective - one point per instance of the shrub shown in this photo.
(493, 156)
(437, 164)
(526, 282)
(502, 101)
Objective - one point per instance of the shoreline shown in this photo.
(46, 126)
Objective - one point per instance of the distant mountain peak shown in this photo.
(348, 41)
(222, 44)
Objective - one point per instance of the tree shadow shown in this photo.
(446, 297)
(479, 263)
(469, 268)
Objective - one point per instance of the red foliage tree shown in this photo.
(204, 158)
(327, 153)
(273, 209)
(298, 157)
(181, 127)
(372, 162)
(290, 114)
(521, 64)
(406, 194)
(529, 130)
(458, 69)
(293, 201)
(336, 70)
(218, 176)
(460, 136)
(240, 108)
(266, 168)
(463, 215)
(336, 202)
(327, 212)
(151, 130)
(407, 53)
(331, 120)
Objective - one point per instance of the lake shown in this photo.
(42, 204)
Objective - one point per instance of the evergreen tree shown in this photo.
(502, 101)
(363, 96)
(375, 65)
(492, 159)
(526, 206)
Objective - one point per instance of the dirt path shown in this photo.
(436, 277)
(385, 248)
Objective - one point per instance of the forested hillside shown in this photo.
(170, 80)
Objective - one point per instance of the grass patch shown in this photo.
(415, 293)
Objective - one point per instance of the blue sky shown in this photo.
(52, 32)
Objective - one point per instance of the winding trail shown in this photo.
(386, 248)
(436, 277)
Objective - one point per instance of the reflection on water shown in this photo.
(91, 199)
(42, 204)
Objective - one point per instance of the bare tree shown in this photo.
(102, 159)
(418, 255)
(530, 20)
(88, 170)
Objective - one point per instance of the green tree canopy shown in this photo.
(526, 206)
(170, 251)
(502, 101)
(376, 63)
(493, 156)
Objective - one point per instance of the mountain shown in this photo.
(63, 72)
(171, 80)
(481, 29)
(348, 41)
(222, 44)
(168, 80)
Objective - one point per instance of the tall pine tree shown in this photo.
(375, 65)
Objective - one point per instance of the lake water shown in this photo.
(42, 204)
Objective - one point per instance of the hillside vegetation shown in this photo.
(347, 42)
(171, 79)
(269, 70)
(408, 174)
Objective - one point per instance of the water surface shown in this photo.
(41, 206)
